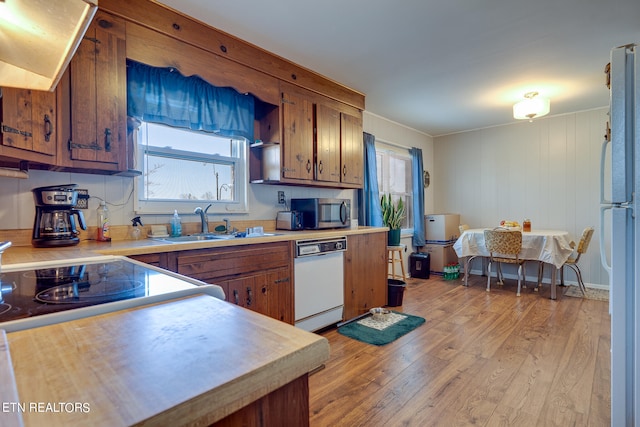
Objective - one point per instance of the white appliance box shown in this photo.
(441, 228)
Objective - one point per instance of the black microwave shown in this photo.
(323, 213)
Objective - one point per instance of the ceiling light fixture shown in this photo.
(532, 106)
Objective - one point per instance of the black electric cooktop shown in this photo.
(59, 287)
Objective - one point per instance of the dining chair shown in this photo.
(572, 262)
(504, 246)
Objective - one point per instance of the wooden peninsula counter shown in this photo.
(192, 361)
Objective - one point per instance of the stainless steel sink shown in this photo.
(209, 236)
(195, 238)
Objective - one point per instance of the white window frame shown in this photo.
(386, 150)
(186, 206)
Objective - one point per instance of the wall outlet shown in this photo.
(83, 199)
(281, 198)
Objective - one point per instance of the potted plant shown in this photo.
(392, 216)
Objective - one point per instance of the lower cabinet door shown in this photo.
(269, 293)
(242, 291)
(274, 295)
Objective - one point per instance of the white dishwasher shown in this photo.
(319, 282)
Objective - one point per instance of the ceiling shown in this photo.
(440, 66)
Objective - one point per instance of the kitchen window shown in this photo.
(395, 178)
(183, 169)
(191, 141)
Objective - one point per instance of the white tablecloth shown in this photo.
(549, 246)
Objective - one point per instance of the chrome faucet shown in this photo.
(203, 218)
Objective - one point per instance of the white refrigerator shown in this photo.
(620, 211)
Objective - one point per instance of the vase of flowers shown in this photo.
(392, 217)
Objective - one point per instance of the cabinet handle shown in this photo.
(308, 165)
(320, 166)
(344, 170)
(48, 128)
(283, 280)
(264, 289)
(107, 139)
(249, 297)
(236, 296)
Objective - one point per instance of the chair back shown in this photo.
(583, 244)
(462, 228)
(503, 242)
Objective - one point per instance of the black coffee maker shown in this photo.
(55, 224)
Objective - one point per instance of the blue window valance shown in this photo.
(163, 95)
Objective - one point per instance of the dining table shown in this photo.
(552, 247)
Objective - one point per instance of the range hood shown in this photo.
(38, 39)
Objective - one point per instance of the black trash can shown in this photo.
(419, 265)
(395, 290)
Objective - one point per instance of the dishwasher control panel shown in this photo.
(311, 247)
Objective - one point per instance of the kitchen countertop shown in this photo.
(187, 361)
(193, 360)
(22, 254)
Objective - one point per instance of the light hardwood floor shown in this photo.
(482, 359)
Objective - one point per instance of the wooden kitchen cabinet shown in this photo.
(327, 143)
(352, 149)
(321, 145)
(258, 277)
(339, 146)
(28, 129)
(266, 293)
(365, 273)
(240, 291)
(157, 260)
(94, 99)
(274, 293)
(297, 136)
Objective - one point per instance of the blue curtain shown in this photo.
(418, 197)
(369, 212)
(163, 95)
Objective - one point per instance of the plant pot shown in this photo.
(393, 238)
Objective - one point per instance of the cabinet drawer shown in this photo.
(209, 264)
(159, 260)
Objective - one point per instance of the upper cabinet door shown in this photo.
(352, 149)
(28, 124)
(327, 143)
(297, 138)
(98, 94)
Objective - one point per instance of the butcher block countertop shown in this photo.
(191, 361)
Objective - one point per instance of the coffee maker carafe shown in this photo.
(55, 223)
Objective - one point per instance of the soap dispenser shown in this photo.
(176, 225)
